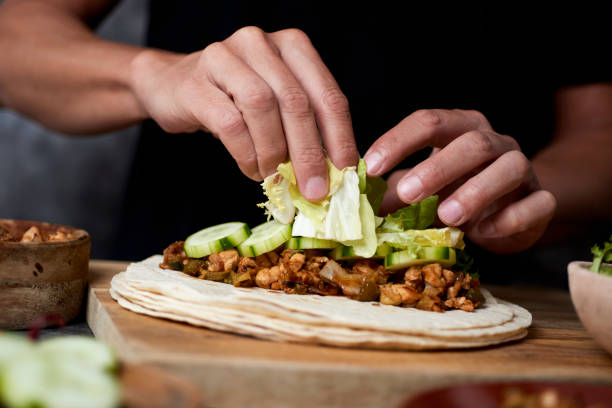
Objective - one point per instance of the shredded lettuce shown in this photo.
(601, 255)
(279, 204)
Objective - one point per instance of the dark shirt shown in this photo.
(389, 58)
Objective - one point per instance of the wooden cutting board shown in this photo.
(238, 371)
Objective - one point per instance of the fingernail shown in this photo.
(487, 229)
(410, 189)
(451, 212)
(316, 188)
(373, 162)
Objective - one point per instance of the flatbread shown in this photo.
(145, 288)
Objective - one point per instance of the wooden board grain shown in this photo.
(236, 371)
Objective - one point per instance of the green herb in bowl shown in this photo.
(601, 255)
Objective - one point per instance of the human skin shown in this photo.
(269, 95)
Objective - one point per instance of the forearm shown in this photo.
(55, 70)
(578, 171)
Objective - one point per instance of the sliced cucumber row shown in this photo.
(403, 259)
(216, 239)
(265, 238)
(310, 243)
(347, 253)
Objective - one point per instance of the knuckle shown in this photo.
(513, 220)
(248, 163)
(212, 50)
(347, 150)
(231, 123)
(431, 174)
(295, 101)
(428, 118)
(249, 33)
(335, 101)
(473, 194)
(309, 156)
(272, 156)
(294, 36)
(258, 97)
(480, 141)
(520, 163)
(514, 145)
(478, 116)
(550, 201)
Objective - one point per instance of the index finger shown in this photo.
(427, 127)
(330, 105)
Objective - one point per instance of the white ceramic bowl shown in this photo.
(592, 296)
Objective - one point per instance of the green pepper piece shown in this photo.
(193, 267)
(215, 276)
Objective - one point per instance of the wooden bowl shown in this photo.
(592, 297)
(38, 279)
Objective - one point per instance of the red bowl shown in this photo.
(491, 395)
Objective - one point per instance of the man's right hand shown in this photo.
(262, 94)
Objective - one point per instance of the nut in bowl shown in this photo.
(591, 297)
(43, 270)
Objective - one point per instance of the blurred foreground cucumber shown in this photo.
(70, 371)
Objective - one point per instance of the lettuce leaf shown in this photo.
(415, 216)
(279, 204)
(366, 246)
(374, 187)
(284, 196)
(339, 221)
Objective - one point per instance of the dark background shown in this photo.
(505, 62)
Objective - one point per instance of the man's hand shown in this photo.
(262, 94)
(485, 183)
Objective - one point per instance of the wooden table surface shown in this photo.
(234, 371)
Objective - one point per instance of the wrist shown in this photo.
(146, 68)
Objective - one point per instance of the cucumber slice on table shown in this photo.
(310, 243)
(62, 372)
(80, 350)
(445, 256)
(347, 253)
(265, 237)
(216, 239)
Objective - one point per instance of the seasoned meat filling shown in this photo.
(35, 235)
(429, 287)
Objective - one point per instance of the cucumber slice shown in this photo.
(445, 256)
(216, 239)
(11, 346)
(310, 243)
(347, 253)
(81, 350)
(265, 237)
(53, 377)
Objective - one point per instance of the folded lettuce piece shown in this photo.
(448, 237)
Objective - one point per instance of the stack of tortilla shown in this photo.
(333, 320)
